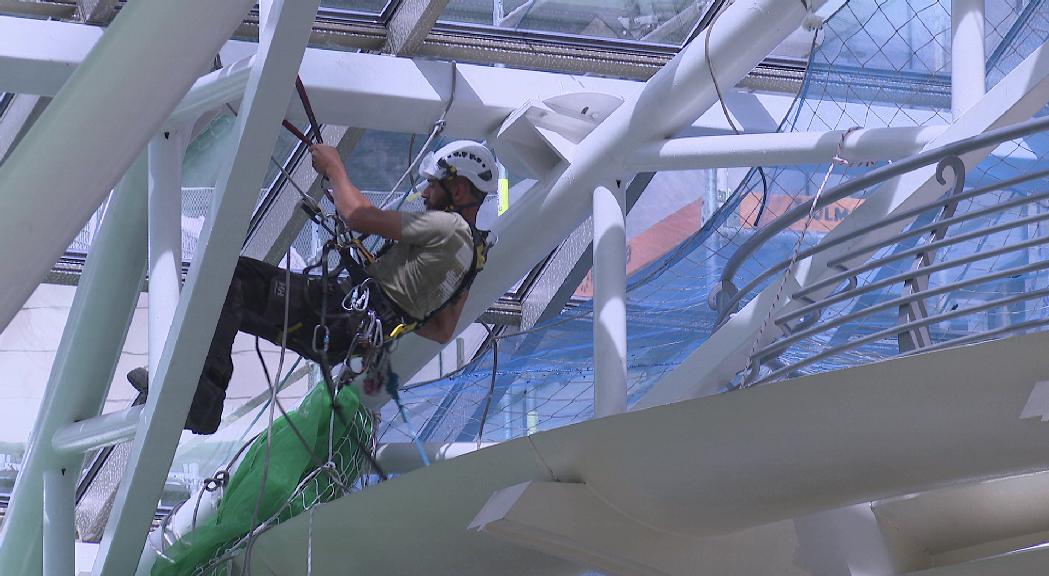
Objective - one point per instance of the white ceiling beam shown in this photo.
(367, 90)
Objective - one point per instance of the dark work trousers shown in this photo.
(255, 304)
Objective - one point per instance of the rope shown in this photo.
(755, 363)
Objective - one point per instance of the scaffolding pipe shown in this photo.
(84, 142)
(609, 274)
(968, 55)
(787, 149)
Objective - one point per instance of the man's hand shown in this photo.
(326, 161)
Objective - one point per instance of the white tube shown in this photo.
(59, 528)
(165, 237)
(609, 271)
(968, 56)
(98, 432)
(745, 150)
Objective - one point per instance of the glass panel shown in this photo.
(654, 21)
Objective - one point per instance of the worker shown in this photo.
(419, 283)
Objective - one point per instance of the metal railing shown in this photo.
(880, 291)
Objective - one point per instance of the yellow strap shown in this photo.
(363, 251)
(403, 329)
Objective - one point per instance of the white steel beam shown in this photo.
(20, 114)
(669, 102)
(781, 149)
(1016, 98)
(86, 131)
(968, 54)
(610, 339)
(388, 93)
(282, 41)
(83, 367)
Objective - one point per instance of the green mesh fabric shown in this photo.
(289, 465)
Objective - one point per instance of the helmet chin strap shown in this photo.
(450, 205)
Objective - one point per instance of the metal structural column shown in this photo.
(282, 42)
(968, 56)
(165, 237)
(83, 368)
(610, 371)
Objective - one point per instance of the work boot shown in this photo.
(205, 413)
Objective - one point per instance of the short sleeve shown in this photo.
(428, 228)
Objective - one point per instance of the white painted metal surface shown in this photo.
(282, 41)
(85, 129)
(610, 337)
(98, 432)
(389, 93)
(166, 151)
(968, 54)
(1017, 97)
(709, 467)
(746, 150)
(59, 529)
(84, 364)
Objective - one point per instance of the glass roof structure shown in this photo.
(527, 365)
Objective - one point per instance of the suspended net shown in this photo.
(874, 64)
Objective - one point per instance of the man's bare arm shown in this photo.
(441, 327)
(353, 207)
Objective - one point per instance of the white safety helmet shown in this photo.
(462, 158)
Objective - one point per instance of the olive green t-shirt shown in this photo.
(424, 269)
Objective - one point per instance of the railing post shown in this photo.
(610, 373)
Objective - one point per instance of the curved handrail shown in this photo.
(873, 177)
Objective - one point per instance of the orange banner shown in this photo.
(823, 220)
